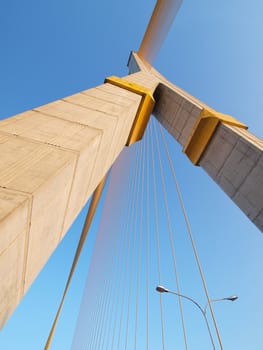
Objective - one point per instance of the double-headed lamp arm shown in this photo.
(162, 289)
(230, 298)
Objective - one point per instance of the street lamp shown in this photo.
(230, 298)
(162, 289)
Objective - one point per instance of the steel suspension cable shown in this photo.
(147, 240)
(116, 256)
(101, 320)
(124, 239)
(129, 219)
(98, 271)
(170, 235)
(157, 233)
(106, 312)
(92, 329)
(132, 255)
(91, 212)
(192, 240)
(114, 253)
(102, 326)
(106, 297)
(99, 306)
(140, 242)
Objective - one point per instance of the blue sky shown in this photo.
(214, 51)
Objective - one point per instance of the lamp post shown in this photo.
(162, 289)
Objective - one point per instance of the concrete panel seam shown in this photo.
(104, 100)
(39, 142)
(12, 242)
(203, 132)
(254, 140)
(128, 110)
(100, 99)
(220, 170)
(90, 109)
(69, 196)
(23, 279)
(125, 94)
(245, 179)
(95, 159)
(260, 213)
(67, 120)
(115, 129)
(144, 110)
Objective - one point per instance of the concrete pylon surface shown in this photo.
(232, 156)
(52, 159)
(54, 156)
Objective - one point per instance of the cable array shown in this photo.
(139, 245)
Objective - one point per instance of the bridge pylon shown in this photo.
(54, 156)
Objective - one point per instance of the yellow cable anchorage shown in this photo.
(204, 130)
(144, 110)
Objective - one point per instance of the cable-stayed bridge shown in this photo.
(64, 168)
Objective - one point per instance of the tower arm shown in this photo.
(218, 143)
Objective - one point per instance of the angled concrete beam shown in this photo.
(54, 156)
(232, 156)
(52, 159)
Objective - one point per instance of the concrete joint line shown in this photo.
(26, 249)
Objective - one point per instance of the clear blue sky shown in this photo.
(214, 51)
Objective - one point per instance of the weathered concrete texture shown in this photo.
(175, 109)
(176, 112)
(44, 174)
(52, 159)
(234, 159)
(14, 217)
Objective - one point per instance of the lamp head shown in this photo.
(161, 289)
(232, 298)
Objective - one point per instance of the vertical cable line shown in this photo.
(99, 312)
(121, 279)
(125, 284)
(170, 235)
(192, 241)
(140, 243)
(147, 241)
(115, 252)
(88, 220)
(105, 315)
(97, 297)
(132, 200)
(116, 256)
(95, 307)
(94, 321)
(122, 215)
(124, 249)
(133, 253)
(91, 328)
(106, 291)
(157, 234)
(102, 318)
(110, 313)
(99, 325)
(98, 285)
